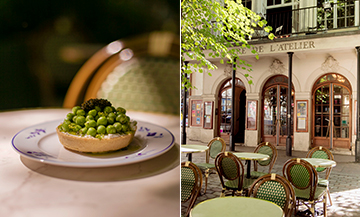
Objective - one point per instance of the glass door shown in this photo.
(332, 113)
(275, 103)
(225, 104)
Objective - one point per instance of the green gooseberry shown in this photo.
(92, 112)
(65, 127)
(108, 109)
(80, 120)
(89, 117)
(122, 119)
(77, 128)
(102, 121)
(101, 129)
(110, 120)
(91, 131)
(90, 123)
(75, 108)
(118, 127)
(83, 131)
(124, 128)
(121, 110)
(69, 116)
(110, 129)
(112, 115)
(80, 112)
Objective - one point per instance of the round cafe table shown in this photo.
(249, 156)
(319, 162)
(235, 207)
(33, 188)
(189, 149)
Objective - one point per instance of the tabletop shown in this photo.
(236, 206)
(319, 162)
(32, 188)
(193, 148)
(251, 156)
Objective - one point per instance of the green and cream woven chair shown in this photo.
(140, 74)
(304, 179)
(191, 182)
(231, 174)
(274, 188)
(323, 153)
(264, 148)
(216, 146)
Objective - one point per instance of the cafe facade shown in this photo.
(323, 93)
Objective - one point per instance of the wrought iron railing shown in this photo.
(311, 20)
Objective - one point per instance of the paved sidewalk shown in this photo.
(344, 180)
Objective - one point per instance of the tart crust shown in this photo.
(94, 145)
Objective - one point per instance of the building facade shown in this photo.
(324, 81)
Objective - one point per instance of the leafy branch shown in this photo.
(212, 30)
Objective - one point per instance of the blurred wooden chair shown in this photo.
(323, 153)
(216, 145)
(139, 74)
(274, 188)
(191, 182)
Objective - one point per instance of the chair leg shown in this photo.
(207, 172)
(328, 193)
(223, 192)
(312, 209)
(325, 207)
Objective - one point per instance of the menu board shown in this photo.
(208, 115)
(251, 114)
(301, 115)
(196, 112)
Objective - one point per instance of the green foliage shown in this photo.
(212, 30)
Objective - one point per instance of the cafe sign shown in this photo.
(281, 47)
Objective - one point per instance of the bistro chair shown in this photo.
(231, 174)
(274, 188)
(139, 74)
(323, 153)
(304, 179)
(264, 148)
(191, 182)
(216, 146)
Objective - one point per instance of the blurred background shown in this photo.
(44, 43)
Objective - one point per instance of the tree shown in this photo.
(211, 29)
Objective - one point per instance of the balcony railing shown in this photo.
(312, 20)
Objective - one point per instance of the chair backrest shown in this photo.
(274, 188)
(230, 168)
(191, 182)
(323, 153)
(216, 146)
(269, 149)
(139, 74)
(302, 175)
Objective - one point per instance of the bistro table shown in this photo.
(319, 162)
(189, 149)
(33, 188)
(249, 156)
(236, 206)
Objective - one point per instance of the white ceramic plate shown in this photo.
(40, 142)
